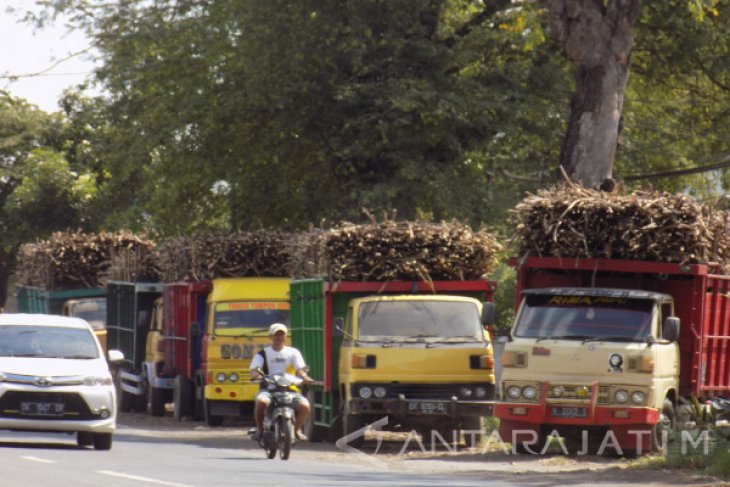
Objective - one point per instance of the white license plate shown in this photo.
(568, 412)
(42, 408)
(428, 407)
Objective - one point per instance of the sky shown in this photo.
(26, 50)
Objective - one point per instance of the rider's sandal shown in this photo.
(301, 436)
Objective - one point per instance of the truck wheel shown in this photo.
(210, 418)
(667, 423)
(182, 397)
(126, 401)
(472, 424)
(531, 449)
(157, 401)
(102, 441)
(140, 403)
(352, 423)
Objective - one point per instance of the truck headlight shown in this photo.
(380, 392)
(621, 396)
(465, 391)
(365, 392)
(480, 392)
(638, 397)
(529, 392)
(220, 377)
(558, 391)
(514, 392)
(233, 377)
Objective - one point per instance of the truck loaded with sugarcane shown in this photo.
(623, 320)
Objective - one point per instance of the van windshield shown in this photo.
(249, 317)
(47, 342)
(585, 317)
(419, 320)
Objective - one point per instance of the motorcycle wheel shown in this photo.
(286, 435)
(270, 444)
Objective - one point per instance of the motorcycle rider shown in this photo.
(278, 359)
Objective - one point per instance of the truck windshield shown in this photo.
(585, 317)
(47, 342)
(92, 311)
(249, 317)
(419, 320)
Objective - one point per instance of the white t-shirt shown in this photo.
(288, 359)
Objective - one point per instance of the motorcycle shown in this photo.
(720, 410)
(278, 432)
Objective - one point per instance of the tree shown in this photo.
(597, 38)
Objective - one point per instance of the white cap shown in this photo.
(276, 327)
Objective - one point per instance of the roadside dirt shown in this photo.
(394, 455)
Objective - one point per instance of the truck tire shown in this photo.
(667, 422)
(350, 424)
(157, 401)
(471, 424)
(183, 397)
(210, 418)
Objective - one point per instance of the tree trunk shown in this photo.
(596, 37)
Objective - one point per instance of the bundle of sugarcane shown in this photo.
(243, 254)
(77, 259)
(391, 250)
(571, 221)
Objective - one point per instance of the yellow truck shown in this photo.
(417, 353)
(235, 327)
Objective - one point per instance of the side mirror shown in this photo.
(489, 314)
(670, 329)
(115, 356)
(194, 329)
(338, 325)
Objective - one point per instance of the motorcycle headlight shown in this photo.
(365, 392)
(529, 392)
(465, 392)
(92, 380)
(233, 377)
(220, 377)
(638, 397)
(621, 396)
(380, 392)
(514, 392)
(480, 392)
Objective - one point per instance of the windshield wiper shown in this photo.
(612, 339)
(563, 337)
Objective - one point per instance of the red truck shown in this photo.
(609, 353)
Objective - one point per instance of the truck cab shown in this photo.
(583, 358)
(423, 360)
(93, 310)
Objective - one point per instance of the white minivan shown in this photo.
(54, 377)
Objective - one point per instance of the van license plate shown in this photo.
(568, 412)
(428, 407)
(42, 408)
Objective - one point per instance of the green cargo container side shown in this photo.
(32, 299)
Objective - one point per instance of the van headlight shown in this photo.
(92, 380)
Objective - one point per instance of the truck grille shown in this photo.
(429, 391)
(74, 407)
(572, 391)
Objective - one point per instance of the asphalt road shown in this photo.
(161, 452)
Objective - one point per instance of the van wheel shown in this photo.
(102, 441)
(84, 438)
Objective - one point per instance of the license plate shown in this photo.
(568, 412)
(42, 408)
(428, 407)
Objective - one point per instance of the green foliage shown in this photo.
(504, 298)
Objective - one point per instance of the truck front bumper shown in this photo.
(402, 407)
